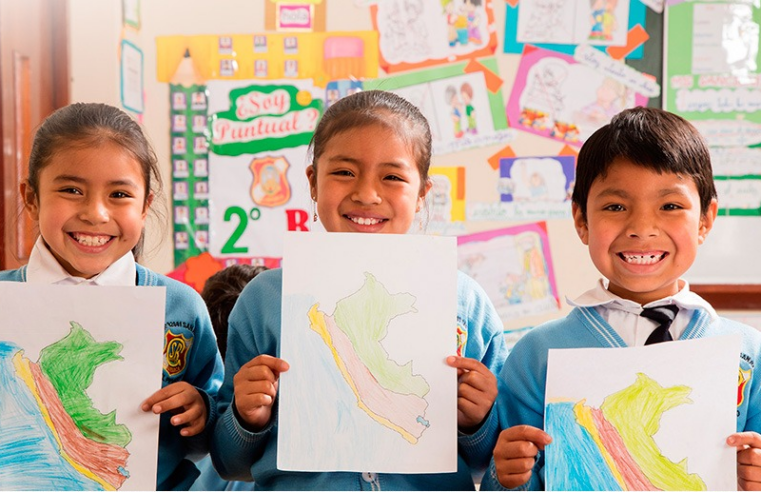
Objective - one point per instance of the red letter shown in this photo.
(297, 220)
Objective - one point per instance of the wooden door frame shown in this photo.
(55, 33)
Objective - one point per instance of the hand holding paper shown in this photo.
(256, 388)
(748, 446)
(515, 454)
(476, 391)
(185, 402)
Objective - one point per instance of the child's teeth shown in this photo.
(641, 259)
(92, 240)
(363, 221)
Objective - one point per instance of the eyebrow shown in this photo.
(68, 178)
(615, 192)
(352, 160)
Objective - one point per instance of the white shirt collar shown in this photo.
(601, 296)
(43, 268)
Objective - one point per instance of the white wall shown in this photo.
(95, 34)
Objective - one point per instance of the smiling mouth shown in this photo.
(365, 221)
(90, 240)
(642, 259)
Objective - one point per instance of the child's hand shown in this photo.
(748, 446)
(515, 454)
(185, 402)
(255, 388)
(476, 391)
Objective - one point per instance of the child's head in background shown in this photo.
(371, 153)
(220, 292)
(643, 200)
(91, 178)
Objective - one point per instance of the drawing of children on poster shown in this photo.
(543, 99)
(472, 15)
(405, 33)
(466, 93)
(611, 98)
(598, 10)
(603, 20)
(456, 112)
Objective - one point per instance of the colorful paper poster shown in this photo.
(131, 77)
(366, 349)
(568, 98)
(75, 365)
(444, 210)
(635, 418)
(513, 12)
(600, 22)
(711, 69)
(530, 188)
(320, 56)
(514, 266)
(421, 33)
(462, 102)
(257, 185)
(737, 176)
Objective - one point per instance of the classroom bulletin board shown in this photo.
(511, 90)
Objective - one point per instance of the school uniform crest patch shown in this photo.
(742, 380)
(462, 339)
(270, 187)
(176, 348)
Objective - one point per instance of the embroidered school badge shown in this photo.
(270, 187)
(742, 380)
(462, 340)
(176, 348)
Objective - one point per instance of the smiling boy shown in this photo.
(643, 201)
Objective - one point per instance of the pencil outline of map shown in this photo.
(52, 437)
(387, 392)
(612, 447)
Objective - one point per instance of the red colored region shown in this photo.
(611, 440)
(103, 460)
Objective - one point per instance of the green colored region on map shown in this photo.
(69, 365)
(636, 413)
(364, 316)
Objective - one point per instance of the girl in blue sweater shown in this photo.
(369, 174)
(89, 191)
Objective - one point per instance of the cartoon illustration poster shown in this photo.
(535, 186)
(545, 20)
(257, 165)
(462, 102)
(444, 210)
(75, 364)
(635, 418)
(514, 266)
(565, 98)
(711, 69)
(366, 350)
(595, 22)
(421, 33)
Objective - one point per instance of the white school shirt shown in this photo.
(623, 315)
(43, 268)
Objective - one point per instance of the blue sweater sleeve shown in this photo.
(234, 449)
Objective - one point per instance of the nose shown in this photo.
(94, 211)
(366, 191)
(642, 225)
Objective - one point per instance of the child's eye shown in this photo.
(393, 177)
(671, 206)
(120, 194)
(342, 172)
(614, 208)
(71, 191)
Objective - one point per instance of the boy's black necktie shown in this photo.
(664, 316)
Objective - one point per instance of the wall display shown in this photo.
(566, 98)
(624, 427)
(75, 365)
(370, 345)
(131, 77)
(462, 102)
(420, 33)
(295, 15)
(552, 30)
(318, 56)
(444, 210)
(257, 168)
(514, 266)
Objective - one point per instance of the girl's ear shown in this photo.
(706, 221)
(31, 204)
(421, 198)
(312, 177)
(582, 229)
(148, 203)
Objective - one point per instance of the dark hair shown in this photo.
(91, 125)
(651, 138)
(220, 293)
(376, 107)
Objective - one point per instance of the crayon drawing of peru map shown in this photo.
(51, 435)
(388, 392)
(612, 447)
